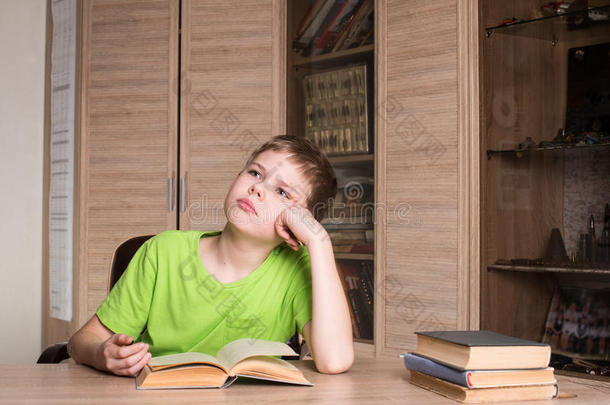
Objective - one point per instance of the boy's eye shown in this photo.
(283, 193)
(254, 173)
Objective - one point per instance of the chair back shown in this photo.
(120, 260)
(122, 256)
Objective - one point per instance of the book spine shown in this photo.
(429, 367)
(335, 25)
(304, 40)
(337, 6)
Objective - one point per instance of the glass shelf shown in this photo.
(549, 269)
(521, 152)
(554, 28)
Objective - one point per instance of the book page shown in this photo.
(169, 360)
(232, 353)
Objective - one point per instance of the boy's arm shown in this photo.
(329, 333)
(97, 346)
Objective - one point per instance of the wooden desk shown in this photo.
(369, 382)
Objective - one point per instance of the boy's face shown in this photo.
(267, 186)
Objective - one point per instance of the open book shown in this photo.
(251, 358)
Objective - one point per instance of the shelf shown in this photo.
(355, 256)
(348, 159)
(347, 227)
(554, 28)
(542, 269)
(300, 61)
(521, 152)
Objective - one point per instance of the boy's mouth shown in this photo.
(246, 205)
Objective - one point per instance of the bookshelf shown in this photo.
(547, 162)
(329, 99)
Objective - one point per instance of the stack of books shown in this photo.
(335, 25)
(481, 366)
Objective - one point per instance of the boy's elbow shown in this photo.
(335, 366)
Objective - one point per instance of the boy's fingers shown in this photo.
(133, 370)
(126, 351)
(121, 339)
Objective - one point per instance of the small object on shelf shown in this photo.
(591, 241)
(591, 139)
(556, 250)
(554, 8)
(603, 246)
(583, 248)
(508, 21)
(529, 143)
(561, 136)
(598, 15)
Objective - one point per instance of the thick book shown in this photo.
(497, 394)
(479, 378)
(252, 358)
(482, 350)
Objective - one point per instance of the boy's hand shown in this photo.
(297, 224)
(118, 356)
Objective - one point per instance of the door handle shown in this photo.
(182, 194)
(170, 193)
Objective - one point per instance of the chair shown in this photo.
(122, 256)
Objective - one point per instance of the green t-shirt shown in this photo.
(166, 298)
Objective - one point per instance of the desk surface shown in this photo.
(368, 382)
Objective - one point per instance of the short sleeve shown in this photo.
(125, 310)
(302, 301)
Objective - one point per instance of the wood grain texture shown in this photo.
(468, 301)
(369, 381)
(421, 110)
(128, 134)
(228, 100)
(381, 18)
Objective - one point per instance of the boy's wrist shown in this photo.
(320, 240)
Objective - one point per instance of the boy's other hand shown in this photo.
(118, 356)
(297, 224)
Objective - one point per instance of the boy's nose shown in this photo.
(257, 189)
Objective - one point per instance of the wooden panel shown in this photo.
(422, 170)
(228, 99)
(129, 131)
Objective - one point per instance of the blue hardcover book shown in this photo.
(479, 378)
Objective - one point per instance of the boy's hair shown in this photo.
(313, 164)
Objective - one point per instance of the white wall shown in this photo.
(22, 62)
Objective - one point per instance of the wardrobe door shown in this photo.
(228, 99)
(129, 132)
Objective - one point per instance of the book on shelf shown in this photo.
(492, 394)
(359, 12)
(482, 350)
(252, 358)
(361, 22)
(479, 378)
(352, 241)
(359, 290)
(336, 109)
(312, 23)
(321, 44)
(335, 8)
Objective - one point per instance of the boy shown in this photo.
(196, 291)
